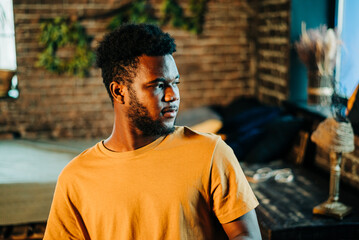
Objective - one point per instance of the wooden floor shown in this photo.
(33, 231)
(28, 174)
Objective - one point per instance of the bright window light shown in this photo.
(7, 36)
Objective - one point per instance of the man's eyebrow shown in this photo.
(162, 80)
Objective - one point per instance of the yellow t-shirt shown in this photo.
(182, 186)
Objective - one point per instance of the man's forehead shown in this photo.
(158, 65)
(155, 60)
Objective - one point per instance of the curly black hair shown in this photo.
(118, 52)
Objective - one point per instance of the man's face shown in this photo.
(154, 95)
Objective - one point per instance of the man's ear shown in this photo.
(117, 92)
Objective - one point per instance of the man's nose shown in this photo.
(171, 94)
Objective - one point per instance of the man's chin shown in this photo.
(159, 130)
(165, 130)
(170, 129)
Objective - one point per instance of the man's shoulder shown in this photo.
(210, 140)
(79, 162)
(184, 135)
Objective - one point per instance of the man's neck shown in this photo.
(126, 139)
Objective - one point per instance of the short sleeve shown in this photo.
(231, 194)
(64, 221)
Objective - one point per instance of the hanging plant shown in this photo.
(173, 14)
(136, 12)
(139, 11)
(61, 34)
(67, 46)
(198, 9)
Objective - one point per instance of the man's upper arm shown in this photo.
(244, 227)
(231, 193)
(233, 199)
(64, 221)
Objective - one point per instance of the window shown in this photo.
(7, 43)
(347, 70)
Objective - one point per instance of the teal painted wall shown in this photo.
(314, 13)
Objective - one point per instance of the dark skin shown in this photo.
(155, 85)
(243, 228)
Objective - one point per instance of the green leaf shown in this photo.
(60, 32)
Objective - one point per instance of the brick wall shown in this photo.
(215, 67)
(271, 32)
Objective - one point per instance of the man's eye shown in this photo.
(160, 85)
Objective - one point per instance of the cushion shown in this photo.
(276, 140)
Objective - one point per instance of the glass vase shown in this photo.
(320, 89)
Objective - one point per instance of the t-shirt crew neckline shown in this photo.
(129, 154)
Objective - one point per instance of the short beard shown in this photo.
(141, 119)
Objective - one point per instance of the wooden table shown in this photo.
(285, 210)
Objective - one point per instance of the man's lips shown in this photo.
(169, 112)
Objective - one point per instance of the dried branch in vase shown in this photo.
(317, 49)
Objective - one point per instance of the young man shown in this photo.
(150, 179)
